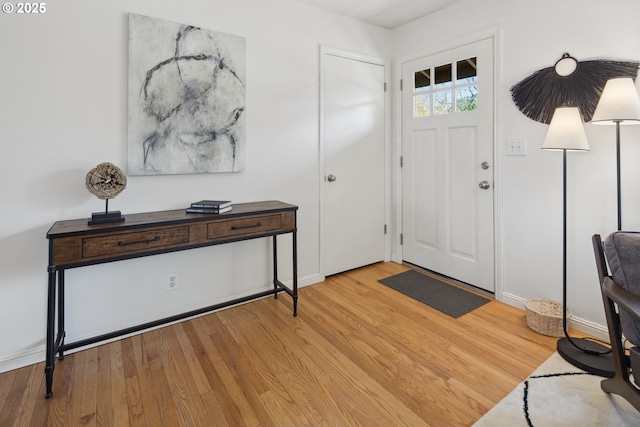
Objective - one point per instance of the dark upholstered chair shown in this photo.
(621, 297)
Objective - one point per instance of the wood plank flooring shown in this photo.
(358, 354)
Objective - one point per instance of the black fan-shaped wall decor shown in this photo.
(569, 83)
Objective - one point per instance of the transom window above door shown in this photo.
(446, 89)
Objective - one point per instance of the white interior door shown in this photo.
(448, 113)
(352, 130)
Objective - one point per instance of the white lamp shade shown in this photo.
(566, 131)
(619, 103)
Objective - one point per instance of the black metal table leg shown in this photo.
(275, 265)
(295, 272)
(61, 328)
(51, 314)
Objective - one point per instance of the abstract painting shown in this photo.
(186, 99)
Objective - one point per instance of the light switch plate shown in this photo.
(516, 146)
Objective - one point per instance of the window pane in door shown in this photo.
(466, 71)
(466, 98)
(422, 80)
(442, 102)
(443, 76)
(422, 105)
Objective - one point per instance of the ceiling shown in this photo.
(383, 13)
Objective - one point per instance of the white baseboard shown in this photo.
(22, 359)
(37, 355)
(309, 280)
(598, 331)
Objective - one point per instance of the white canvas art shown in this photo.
(186, 99)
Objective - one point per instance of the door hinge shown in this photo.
(385, 229)
(401, 161)
(385, 86)
(401, 238)
(400, 84)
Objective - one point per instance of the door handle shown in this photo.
(331, 178)
(484, 185)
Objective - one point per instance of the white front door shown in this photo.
(448, 113)
(352, 130)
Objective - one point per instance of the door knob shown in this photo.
(484, 185)
(331, 178)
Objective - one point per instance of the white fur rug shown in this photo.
(558, 394)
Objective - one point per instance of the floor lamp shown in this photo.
(566, 133)
(618, 105)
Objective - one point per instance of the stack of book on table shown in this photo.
(210, 206)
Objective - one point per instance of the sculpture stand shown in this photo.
(106, 216)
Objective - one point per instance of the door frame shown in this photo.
(324, 52)
(498, 146)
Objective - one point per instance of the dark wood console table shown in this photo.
(74, 243)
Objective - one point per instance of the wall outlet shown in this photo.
(516, 146)
(172, 281)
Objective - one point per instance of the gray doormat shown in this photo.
(447, 298)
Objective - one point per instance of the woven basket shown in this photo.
(545, 316)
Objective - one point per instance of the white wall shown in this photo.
(63, 110)
(534, 35)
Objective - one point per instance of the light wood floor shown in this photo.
(358, 353)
